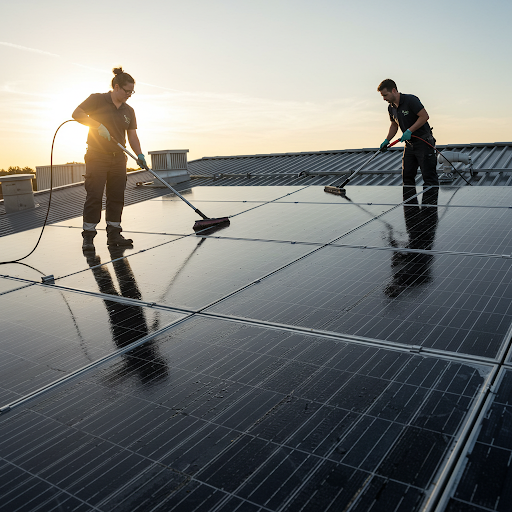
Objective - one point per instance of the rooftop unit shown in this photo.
(62, 175)
(171, 165)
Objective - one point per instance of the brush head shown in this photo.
(335, 190)
(210, 223)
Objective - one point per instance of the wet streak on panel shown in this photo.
(65, 331)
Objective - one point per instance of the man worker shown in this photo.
(105, 163)
(407, 112)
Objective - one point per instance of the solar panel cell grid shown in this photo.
(193, 272)
(269, 441)
(364, 293)
(485, 482)
(47, 333)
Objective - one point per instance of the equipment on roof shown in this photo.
(338, 189)
(446, 158)
(199, 224)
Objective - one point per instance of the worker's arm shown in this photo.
(133, 139)
(80, 116)
(392, 130)
(422, 119)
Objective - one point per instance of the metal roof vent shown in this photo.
(171, 165)
(17, 191)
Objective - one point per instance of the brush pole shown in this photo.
(367, 162)
(160, 179)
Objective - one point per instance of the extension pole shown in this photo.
(160, 179)
(367, 162)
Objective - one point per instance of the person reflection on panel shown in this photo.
(127, 321)
(413, 268)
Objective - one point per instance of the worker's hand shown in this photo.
(406, 136)
(141, 160)
(384, 145)
(103, 132)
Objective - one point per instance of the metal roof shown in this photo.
(492, 161)
(68, 201)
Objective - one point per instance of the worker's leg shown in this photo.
(96, 168)
(427, 159)
(409, 166)
(116, 184)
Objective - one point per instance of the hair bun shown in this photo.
(117, 71)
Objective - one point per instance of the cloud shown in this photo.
(27, 49)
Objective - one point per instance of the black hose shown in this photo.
(439, 153)
(49, 200)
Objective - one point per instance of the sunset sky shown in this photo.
(242, 77)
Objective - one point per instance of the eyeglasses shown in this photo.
(127, 92)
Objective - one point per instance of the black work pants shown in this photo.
(418, 154)
(104, 172)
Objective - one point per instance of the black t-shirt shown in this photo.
(406, 114)
(100, 107)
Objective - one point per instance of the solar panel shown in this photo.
(46, 333)
(462, 229)
(313, 422)
(7, 285)
(447, 302)
(228, 194)
(363, 195)
(316, 223)
(60, 251)
(483, 483)
(309, 394)
(168, 217)
(476, 196)
(193, 272)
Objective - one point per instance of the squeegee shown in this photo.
(338, 189)
(206, 222)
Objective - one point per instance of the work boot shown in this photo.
(88, 243)
(114, 237)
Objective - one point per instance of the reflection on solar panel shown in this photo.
(46, 333)
(320, 353)
(230, 407)
(447, 302)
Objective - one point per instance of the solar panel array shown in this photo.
(321, 353)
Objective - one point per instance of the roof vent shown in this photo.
(171, 165)
(17, 191)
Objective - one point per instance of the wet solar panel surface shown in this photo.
(215, 409)
(194, 271)
(293, 373)
(60, 251)
(353, 194)
(463, 229)
(447, 302)
(46, 333)
(484, 480)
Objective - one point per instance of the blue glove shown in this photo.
(406, 136)
(103, 132)
(141, 160)
(384, 145)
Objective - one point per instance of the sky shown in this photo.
(234, 77)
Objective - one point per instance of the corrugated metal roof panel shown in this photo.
(68, 201)
(493, 161)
